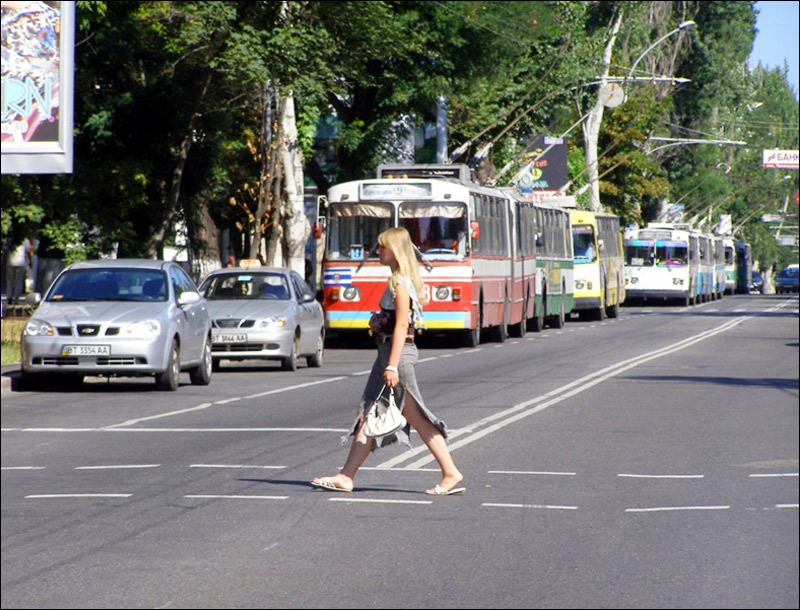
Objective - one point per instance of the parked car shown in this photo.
(266, 313)
(122, 317)
(787, 279)
(756, 283)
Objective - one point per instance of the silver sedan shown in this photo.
(264, 313)
(120, 317)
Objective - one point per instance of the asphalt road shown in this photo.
(645, 462)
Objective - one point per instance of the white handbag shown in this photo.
(383, 417)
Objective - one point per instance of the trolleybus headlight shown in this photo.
(351, 293)
(442, 293)
(580, 284)
(456, 293)
(634, 280)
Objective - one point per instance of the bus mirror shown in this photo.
(600, 245)
(474, 230)
(539, 240)
(316, 229)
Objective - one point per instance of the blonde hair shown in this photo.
(398, 240)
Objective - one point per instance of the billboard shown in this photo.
(37, 87)
(780, 159)
(544, 168)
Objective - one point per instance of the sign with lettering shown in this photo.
(544, 168)
(780, 159)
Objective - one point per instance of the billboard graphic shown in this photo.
(38, 40)
(544, 168)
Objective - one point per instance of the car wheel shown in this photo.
(202, 374)
(168, 380)
(290, 362)
(315, 360)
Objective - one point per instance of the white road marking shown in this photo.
(121, 466)
(543, 472)
(662, 476)
(522, 410)
(774, 474)
(673, 508)
(234, 466)
(547, 506)
(233, 497)
(379, 501)
(39, 496)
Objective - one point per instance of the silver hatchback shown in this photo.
(118, 317)
(264, 313)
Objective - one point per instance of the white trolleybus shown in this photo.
(729, 253)
(478, 273)
(662, 262)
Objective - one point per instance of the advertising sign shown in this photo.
(37, 87)
(544, 167)
(780, 159)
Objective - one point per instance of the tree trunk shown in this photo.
(296, 228)
(156, 245)
(591, 128)
(265, 213)
(207, 256)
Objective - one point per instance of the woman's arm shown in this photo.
(401, 303)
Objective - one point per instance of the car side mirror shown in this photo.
(188, 297)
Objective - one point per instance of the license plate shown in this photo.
(85, 350)
(230, 338)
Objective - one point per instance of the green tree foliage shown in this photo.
(174, 107)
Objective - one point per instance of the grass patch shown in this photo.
(10, 330)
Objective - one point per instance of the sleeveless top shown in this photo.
(415, 321)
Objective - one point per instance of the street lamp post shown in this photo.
(686, 25)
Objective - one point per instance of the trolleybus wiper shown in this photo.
(421, 258)
(370, 254)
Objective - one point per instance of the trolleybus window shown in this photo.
(583, 243)
(671, 253)
(354, 229)
(439, 230)
(639, 252)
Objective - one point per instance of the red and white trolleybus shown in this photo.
(470, 238)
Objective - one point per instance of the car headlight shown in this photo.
(274, 322)
(39, 328)
(144, 329)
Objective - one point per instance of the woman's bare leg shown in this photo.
(435, 441)
(359, 452)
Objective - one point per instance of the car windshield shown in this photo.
(246, 286)
(105, 284)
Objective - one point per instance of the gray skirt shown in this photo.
(408, 383)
